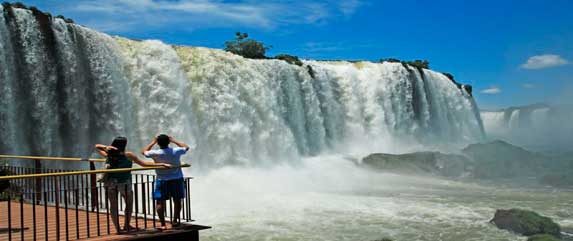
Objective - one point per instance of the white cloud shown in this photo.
(120, 16)
(348, 7)
(544, 61)
(491, 91)
(528, 86)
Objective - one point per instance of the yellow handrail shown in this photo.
(56, 174)
(47, 158)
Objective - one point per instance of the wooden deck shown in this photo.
(83, 225)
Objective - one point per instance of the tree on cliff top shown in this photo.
(247, 48)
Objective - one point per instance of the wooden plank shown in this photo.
(84, 228)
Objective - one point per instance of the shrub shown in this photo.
(450, 76)
(291, 59)
(390, 60)
(421, 64)
(247, 48)
(19, 5)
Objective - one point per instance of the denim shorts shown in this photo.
(113, 186)
(167, 189)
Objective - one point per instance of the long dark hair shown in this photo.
(120, 143)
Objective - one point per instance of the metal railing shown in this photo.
(56, 204)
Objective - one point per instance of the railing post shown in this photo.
(37, 170)
(93, 187)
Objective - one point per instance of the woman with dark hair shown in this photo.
(120, 182)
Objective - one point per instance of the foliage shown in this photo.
(19, 5)
(542, 237)
(390, 60)
(450, 76)
(289, 58)
(421, 64)
(247, 48)
(34, 9)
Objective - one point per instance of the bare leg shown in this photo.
(128, 197)
(161, 212)
(177, 214)
(113, 206)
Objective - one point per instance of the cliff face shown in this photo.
(70, 87)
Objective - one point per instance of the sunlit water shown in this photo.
(70, 87)
(328, 198)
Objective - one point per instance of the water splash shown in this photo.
(72, 87)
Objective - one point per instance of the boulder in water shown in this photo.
(499, 159)
(525, 222)
(435, 163)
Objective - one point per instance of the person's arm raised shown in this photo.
(149, 146)
(178, 143)
(103, 149)
(143, 163)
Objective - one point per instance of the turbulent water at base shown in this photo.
(69, 87)
(331, 199)
(270, 140)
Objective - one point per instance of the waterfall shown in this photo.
(66, 87)
(540, 127)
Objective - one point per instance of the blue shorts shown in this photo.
(167, 189)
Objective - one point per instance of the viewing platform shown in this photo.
(55, 204)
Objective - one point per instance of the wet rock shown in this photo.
(384, 239)
(434, 163)
(525, 222)
(499, 159)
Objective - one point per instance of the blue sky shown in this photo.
(513, 52)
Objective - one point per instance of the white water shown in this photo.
(331, 199)
(86, 87)
(268, 137)
(542, 128)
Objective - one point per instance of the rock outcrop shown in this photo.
(497, 160)
(435, 163)
(525, 222)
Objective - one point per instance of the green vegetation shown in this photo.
(34, 9)
(247, 48)
(450, 76)
(291, 59)
(390, 60)
(542, 237)
(420, 64)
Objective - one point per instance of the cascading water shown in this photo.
(70, 87)
(275, 136)
(542, 127)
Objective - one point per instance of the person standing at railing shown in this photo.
(120, 182)
(170, 183)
